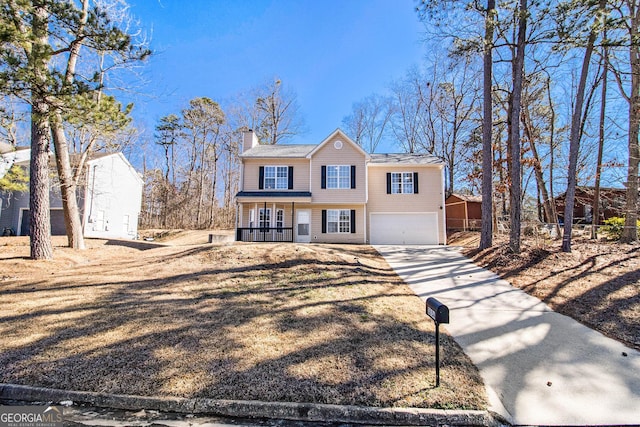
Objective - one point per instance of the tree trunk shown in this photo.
(549, 213)
(68, 187)
(39, 185)
(595, 220)
(514, 132)
(552, 133)
(486, 233)
(574, 141)
(68, 184)
(630, 231)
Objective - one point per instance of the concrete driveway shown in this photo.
(539, 367)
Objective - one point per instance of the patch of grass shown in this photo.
(274, 322)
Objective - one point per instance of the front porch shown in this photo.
(264, 234)
(273, 221)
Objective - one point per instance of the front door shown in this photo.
(303, 226)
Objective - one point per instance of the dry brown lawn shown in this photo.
(274, 322)
(597, 283)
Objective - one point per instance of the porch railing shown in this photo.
(265, 234)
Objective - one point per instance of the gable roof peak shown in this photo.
(338, 132)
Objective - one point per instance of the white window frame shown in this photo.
(338, 177)
(402, 183)
(280, 219)
(264, 221)
(276, 178)
(338, 221)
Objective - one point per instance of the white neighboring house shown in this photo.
(109, 198)
(112, 198)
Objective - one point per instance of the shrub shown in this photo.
(613, 227)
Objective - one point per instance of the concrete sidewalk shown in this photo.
(539, 367)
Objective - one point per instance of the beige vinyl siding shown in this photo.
(429, 198)
(329, 155)
(252, 172)
(316, 226)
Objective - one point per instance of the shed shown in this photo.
(463, 212)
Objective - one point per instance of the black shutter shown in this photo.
(353, 220)
(323, 177)
(261, 179)
(415, 183)
(324, 220)
(291, 178)
(353, 176)
(388, 182)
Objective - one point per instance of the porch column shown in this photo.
(293, 210)
(238, 221)
(267, 224)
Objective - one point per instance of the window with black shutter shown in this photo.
(402, 183)
(290, 186)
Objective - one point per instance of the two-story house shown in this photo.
(335, 192)
(109, 197)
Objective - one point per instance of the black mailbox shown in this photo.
(437, 311)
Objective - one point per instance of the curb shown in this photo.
(256, 409)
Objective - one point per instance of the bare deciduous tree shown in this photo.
(368, 123)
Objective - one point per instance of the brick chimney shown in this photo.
(249, 140)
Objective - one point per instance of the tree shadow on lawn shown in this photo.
(316, 326)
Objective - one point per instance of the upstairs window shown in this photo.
(402, 183)
(338, 177)
(276, 178)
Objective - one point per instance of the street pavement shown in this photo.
(539, 367)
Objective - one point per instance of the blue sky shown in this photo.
(331, 53)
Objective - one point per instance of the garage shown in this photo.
(404, 228)
(58, 227)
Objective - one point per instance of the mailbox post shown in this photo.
(440, 314)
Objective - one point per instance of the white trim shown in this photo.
(275, 188)
(307, 238)
(338, 177)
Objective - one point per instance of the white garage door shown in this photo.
(404, 228)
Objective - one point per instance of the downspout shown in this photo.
(93, 188)
(367, 232)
